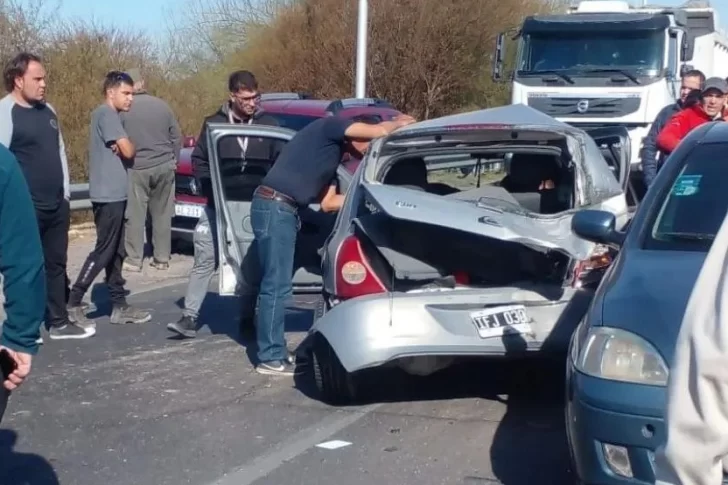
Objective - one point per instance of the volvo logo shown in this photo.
(582, 106)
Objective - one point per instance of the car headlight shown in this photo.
(619, 355)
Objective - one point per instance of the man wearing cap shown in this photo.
(153, 129)
(652, 158)
(713, 98)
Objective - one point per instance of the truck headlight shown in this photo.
(619, 355)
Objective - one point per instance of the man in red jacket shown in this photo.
(713, 98)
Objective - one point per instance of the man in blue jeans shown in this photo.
(302, 175)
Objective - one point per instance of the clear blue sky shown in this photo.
(150, 15)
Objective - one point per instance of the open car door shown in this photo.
(614, 143)
(234, 181)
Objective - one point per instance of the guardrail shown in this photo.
(79, 197)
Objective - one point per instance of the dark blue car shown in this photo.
(620, 354)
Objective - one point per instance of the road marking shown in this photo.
(333, 445)
(298, 443)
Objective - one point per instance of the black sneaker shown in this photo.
(71, 331)
(128, 314)
(185, 326)
(276, 368)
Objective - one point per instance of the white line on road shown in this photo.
(298, 443)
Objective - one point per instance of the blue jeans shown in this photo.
(275, 225)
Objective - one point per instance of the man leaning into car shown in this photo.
(241, 107)
(302, 175)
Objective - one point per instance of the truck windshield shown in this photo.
(582, 52)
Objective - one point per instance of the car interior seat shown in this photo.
(525, 174)
(409, 172)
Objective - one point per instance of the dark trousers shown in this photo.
(107, 255)
(53, 225)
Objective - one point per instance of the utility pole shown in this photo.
(361, 48)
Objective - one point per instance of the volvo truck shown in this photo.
(605, 63)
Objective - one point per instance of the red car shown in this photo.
(293, 111)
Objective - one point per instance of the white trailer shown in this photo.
(605, 63)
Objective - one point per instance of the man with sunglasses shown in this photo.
(241, 107)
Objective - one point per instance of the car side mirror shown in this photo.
(597, 226)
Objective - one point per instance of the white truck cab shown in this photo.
(605, 63)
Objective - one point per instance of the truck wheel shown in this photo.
(335, 385)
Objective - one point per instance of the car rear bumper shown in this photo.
(373, 330)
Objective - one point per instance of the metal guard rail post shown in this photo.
(79, 197)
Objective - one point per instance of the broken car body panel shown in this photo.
(368, 331)
(484, 218)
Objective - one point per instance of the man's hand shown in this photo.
(330, 200)
(16, 378)
(403, 120)
(115, 148)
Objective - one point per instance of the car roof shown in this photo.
(717, 133)
(319, 108)
(512, 114)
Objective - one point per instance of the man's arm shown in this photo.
(331, 201)
(64, 158)
(6, 120)
(21, 260)
(113, 133)
(175, 135)
(199, 157)
(364, 131)
(669, 138)
(648, 155)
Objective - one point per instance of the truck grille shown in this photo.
(585, 107)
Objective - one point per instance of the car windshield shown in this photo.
(583, 51)
(696, 204)
(291, 121)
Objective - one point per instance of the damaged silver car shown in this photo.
(454, 241)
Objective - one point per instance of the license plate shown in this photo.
(188, 210)
(499, 321)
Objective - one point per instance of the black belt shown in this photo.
(265, 192)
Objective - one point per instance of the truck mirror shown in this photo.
(498, 58)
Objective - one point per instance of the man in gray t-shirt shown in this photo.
(110, 152)
(106, 168)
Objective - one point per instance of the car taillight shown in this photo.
(600, 259)
(354, 275)
(461, 278)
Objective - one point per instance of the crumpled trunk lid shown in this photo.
(540, 233)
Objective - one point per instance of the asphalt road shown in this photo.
(132, 406)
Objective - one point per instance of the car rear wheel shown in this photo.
(334, 384)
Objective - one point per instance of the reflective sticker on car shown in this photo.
(686, 185)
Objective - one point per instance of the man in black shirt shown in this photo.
(240, 108)
(301, 175)
(29, 128)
